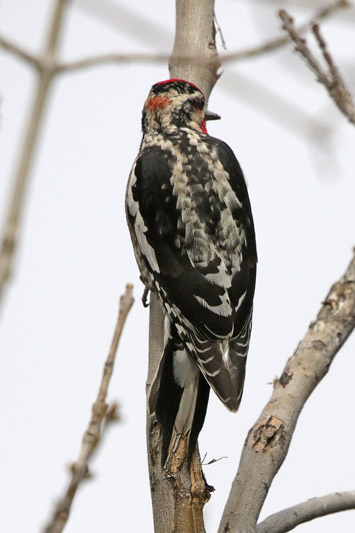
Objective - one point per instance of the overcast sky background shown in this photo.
(75, 258)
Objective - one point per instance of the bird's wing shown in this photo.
(184, 264)
(196, 239)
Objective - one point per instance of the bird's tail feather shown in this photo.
(179, 392)
(223, 366)
(178, 396)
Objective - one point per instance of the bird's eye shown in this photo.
(189, 107)
(199, 103)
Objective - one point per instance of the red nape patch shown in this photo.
(158, 102)
(203, 127)
(178, 79)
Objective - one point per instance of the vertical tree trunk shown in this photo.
(179, 495)
(195, 56)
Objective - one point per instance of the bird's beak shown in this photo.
(209, 115)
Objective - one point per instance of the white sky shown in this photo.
(75, 259)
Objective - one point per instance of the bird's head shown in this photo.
(174, 104)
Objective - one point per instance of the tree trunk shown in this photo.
(179, 495)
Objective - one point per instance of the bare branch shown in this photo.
(268, 441)
(329, 77)
(289, 518)
(102, 59)
(93, 435)
(11, 230)
(230, 57)
(19, 52)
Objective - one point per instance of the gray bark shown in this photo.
(289, 518)
(194, 56)
(267, 443)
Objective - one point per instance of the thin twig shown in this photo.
(278, 42)
(220, 33)
(19, 52)
(212, 461)
(328, 76)
(289, 518)
(101, 413)
(268, 440)
(328, 58)
(118, 58)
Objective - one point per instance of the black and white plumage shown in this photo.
(192, 230)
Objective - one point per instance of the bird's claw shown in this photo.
(145, 298)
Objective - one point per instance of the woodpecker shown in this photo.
(192, 230)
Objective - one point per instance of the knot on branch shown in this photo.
(285, 379)
(80, 471)
(266, 435)
(338, 295)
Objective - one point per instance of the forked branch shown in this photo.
(329, 75)
(278, 42)
(44, 64)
